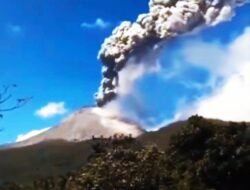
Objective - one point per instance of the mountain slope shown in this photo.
(42, 160)
(84, 124)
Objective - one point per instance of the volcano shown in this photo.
(83, 125)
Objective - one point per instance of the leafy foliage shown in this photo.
(124, 169)
(207, 155)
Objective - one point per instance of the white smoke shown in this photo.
(135, 69)
(166, 19)
(229, 100)
(138, 66)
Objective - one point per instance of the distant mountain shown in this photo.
(84, 124)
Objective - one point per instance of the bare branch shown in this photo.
(6, 88)
(5, 99)
(6, 95)
(19, 103)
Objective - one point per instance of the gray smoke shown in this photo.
(166, 19)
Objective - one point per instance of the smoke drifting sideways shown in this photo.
(167, 19)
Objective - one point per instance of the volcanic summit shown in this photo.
(84, 124)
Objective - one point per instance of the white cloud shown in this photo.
(23, 137)
(231, 99)
(52, 109)
(99, 23)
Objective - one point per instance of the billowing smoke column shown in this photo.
(166, 19)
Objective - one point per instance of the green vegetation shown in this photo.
(201, 155)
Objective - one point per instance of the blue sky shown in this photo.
(49, 49)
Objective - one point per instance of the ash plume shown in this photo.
(166, 19)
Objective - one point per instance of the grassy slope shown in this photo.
(42, 160)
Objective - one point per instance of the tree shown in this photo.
(123, 169)
(121, 164)
(209, 154)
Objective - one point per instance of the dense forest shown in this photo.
(203, 155)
